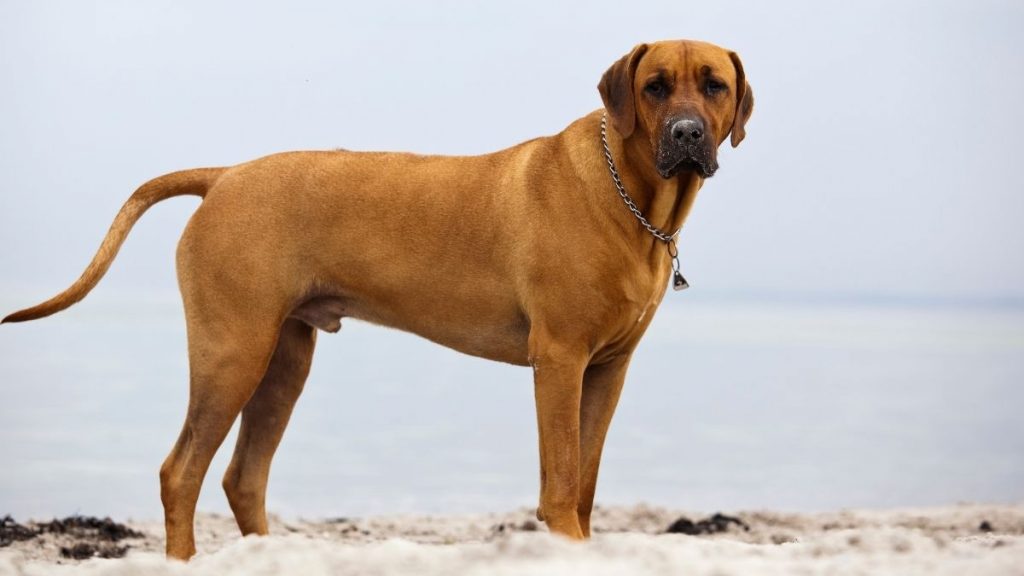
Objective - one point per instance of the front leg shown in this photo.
(558, 381)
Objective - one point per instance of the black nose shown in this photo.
(688, 130)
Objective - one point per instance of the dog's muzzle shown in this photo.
(685, 146)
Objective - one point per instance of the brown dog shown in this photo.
(526, 256)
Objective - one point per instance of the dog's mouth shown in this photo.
(703, 167)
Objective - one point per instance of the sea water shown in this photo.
(729, 404)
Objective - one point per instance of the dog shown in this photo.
(552, 254)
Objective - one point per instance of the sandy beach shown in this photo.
(961, 539)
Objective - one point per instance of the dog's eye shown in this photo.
(656, 88)
(713, 87)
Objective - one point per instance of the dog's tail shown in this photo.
(187, 182)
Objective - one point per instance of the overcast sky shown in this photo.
(882, 157)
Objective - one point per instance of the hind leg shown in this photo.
(227, 361)
(263, 422)
(602, 385)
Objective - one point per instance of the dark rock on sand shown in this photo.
(714, 525)
(11, 531)
(88, 527)
(79, 537)
(525, 526)
(84, 551)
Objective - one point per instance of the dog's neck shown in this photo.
(664, 202)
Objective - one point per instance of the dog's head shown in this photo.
(682, 97)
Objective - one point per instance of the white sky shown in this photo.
(881, 159)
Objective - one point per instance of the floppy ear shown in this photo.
(744, 102)
(616, 88)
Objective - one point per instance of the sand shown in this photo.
(957, 540)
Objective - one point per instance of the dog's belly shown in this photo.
(499, 334)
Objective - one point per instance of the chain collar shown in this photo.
(678, 282)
